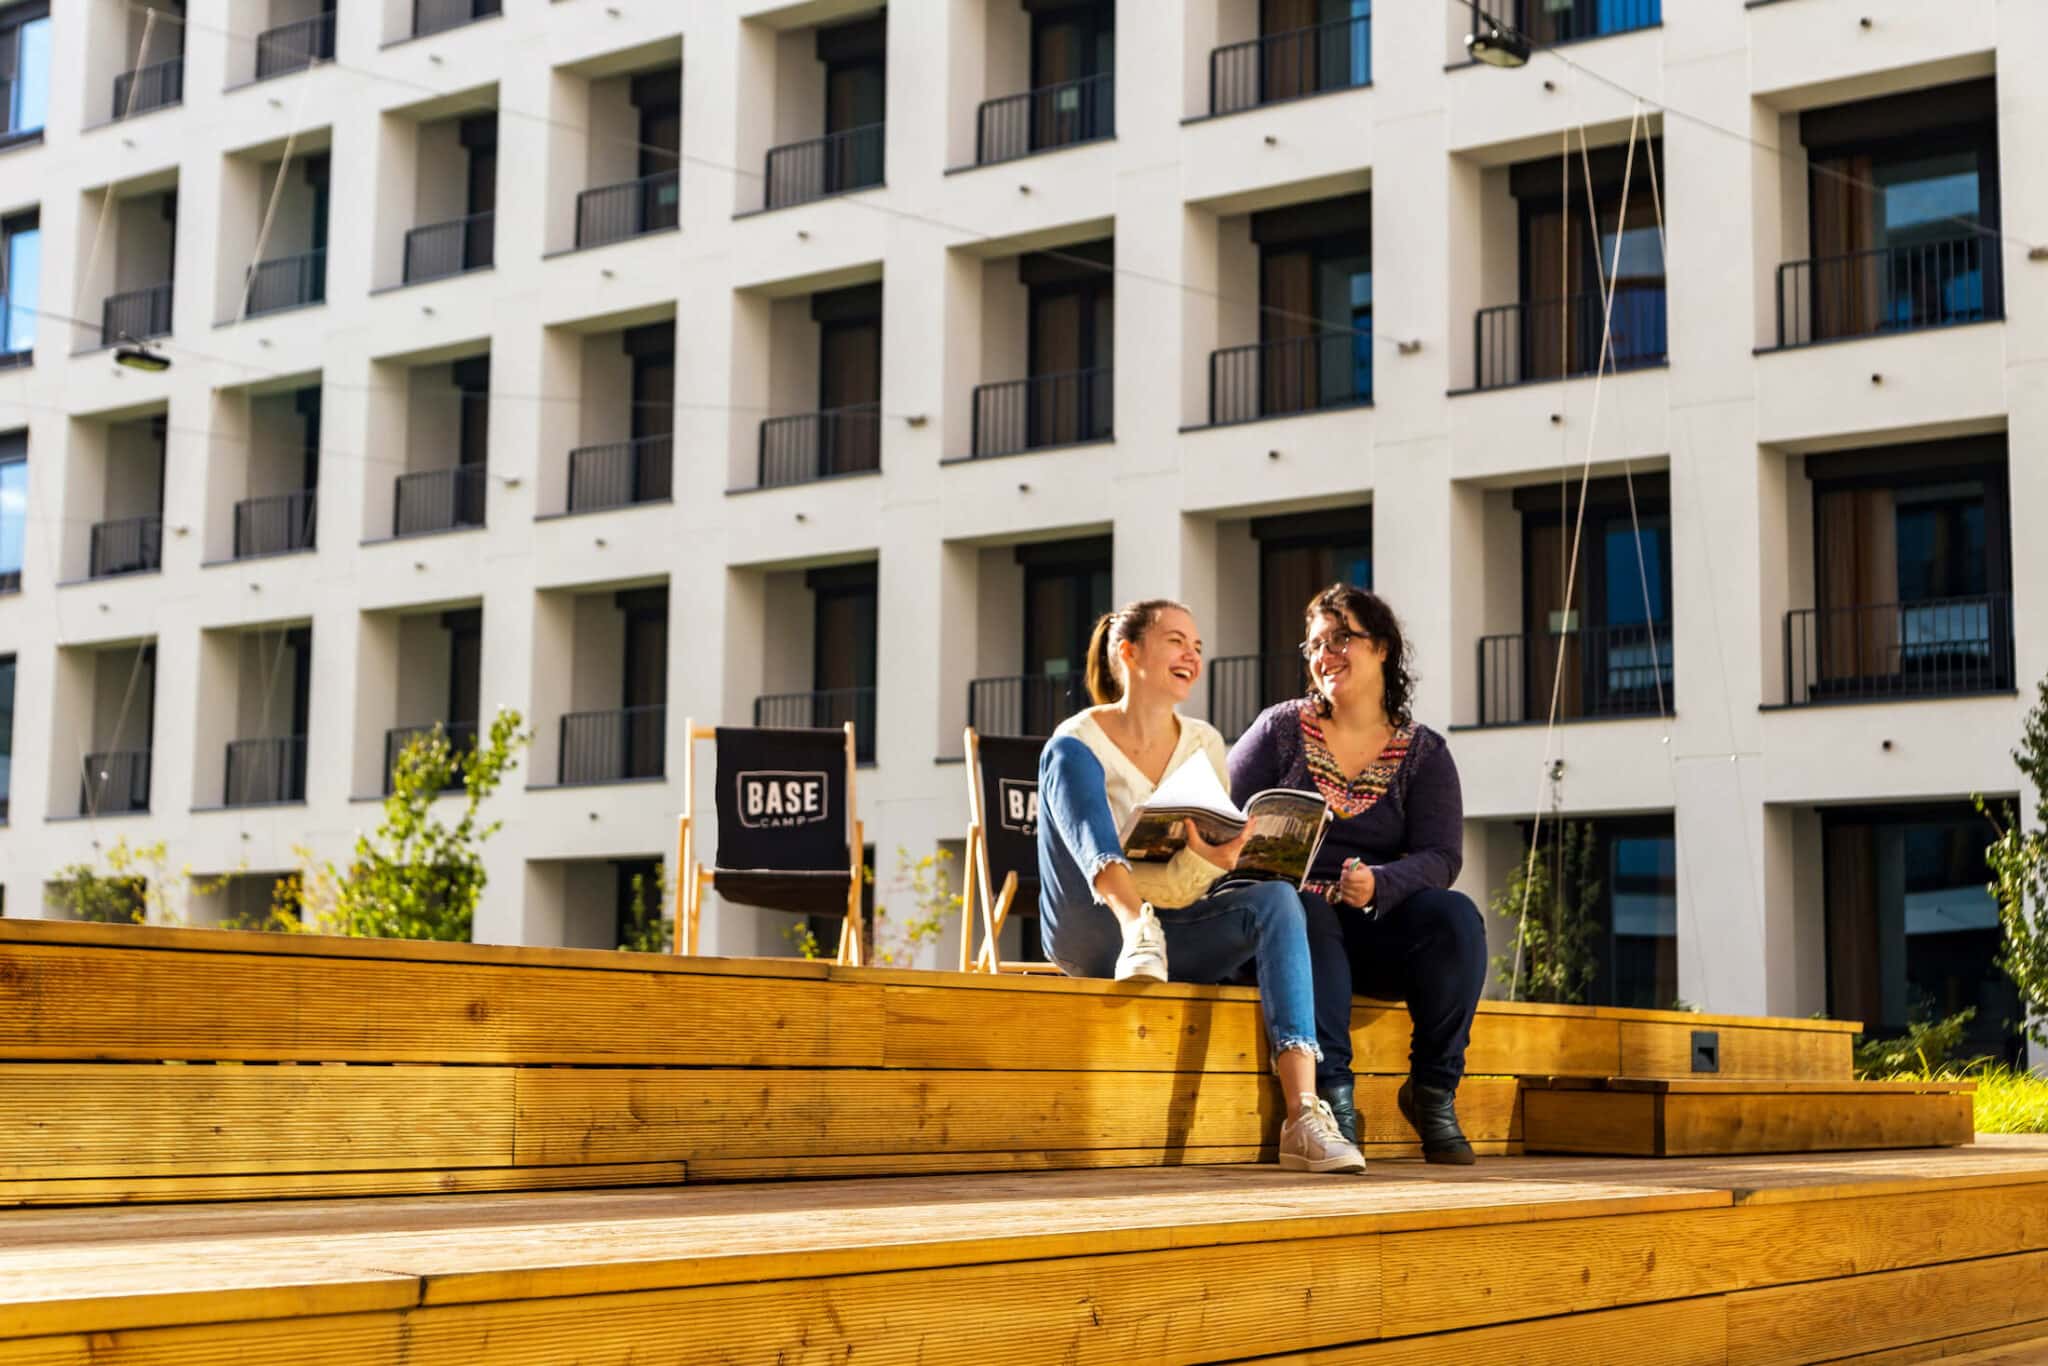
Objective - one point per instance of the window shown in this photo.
(6, 733)
(21, 272)
(1563, 263)
(1315, 296)
(844, 655)
(24, 71)
(13, 508)
(1641, 963)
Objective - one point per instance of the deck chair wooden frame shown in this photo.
(978, 894)
(689, 892)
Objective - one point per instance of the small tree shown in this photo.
(928, 884)
(2018, 859)
(1551, 900)
(137, 886)
(418, 877)
(646, 930)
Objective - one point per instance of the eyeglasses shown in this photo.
(1338, 641)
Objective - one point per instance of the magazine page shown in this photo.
(1286, 831)
(1154, 832)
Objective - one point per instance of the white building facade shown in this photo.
(798, 362)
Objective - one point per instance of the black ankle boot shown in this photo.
(1430, 1112)
(1337, 1095)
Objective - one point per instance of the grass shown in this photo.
(2010, 1101)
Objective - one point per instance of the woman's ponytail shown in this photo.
(1103, 684)
(1127, 623)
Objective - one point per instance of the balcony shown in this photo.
(613, 213)
(287, 282)
(621, 473)
(437, 16)
(1889, 289)
(1242, 686)
(1550, 339)
(1291, 65)
(1045, 119)
(114, 783)
(811, 446)
(1943, 647)
(826, 709)
(428, 501)
(1547, 22)
(138, 315)
(613, 746)
(1609, 672)
(295, 46)
(838, 163)
(439, 250)
(266, 772)
(1291, 375)
(461, 736)
(1024, 704)
(1046, 410)
(132, 545)
(149, 87)
(275, 525)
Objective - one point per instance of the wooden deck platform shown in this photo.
(161, 1064)
(1566, 1260)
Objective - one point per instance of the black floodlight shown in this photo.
(139, 356)
(1495, 43)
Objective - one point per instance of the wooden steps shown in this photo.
(1566, 1260)
(1640, 1117)
(145, 1064)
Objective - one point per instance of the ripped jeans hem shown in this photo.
(1308, 1046)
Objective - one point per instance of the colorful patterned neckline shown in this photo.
(1355, 794)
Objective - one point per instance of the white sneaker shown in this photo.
(1311, 1142)
(1144, 956)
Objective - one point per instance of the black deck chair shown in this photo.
(789, 837)
(1002, 845)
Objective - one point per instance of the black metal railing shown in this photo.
(149, 87)
(295, 46)
(266, 770)
(1288, 65)
(1242, 686)
(437, 500)
(1043, 119)
(288, 282)
(612, 746)
(1024, 704)
(833, 164)
(443, 249)
(137, 313)
(1934, 648)
(114, 782)
(1889, 289)
(1556, 338)
(808, 446)
(1610, 671)
(461, 736)
(131, 545)
(613, 213)
(275, 524)
(433, 16)
(1566, 21)
(1044, 410)
(621, 473)
(1291, 375)
(828, 708)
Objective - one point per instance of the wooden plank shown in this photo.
(61, 1002)
(121, 1190)
(626, 1115)
(1835, 1318)
(1598, 1123)
(1448, 1278)
(1656, 1049)
(1710, 1086)
(1685, 1333)
(1066, 1159)
(1700, 1125)
(66, 1120)
(2023, 1344)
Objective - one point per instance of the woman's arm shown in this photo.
(1255, 760)
(1072, 798)
(1435, 835)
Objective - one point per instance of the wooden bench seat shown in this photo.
(1656, 1117)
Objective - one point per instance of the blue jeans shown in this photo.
(1210, 941)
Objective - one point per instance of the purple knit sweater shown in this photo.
(1412, 838)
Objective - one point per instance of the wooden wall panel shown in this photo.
(1665, 1050)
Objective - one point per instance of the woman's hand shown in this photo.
(1356, 885)
(1224, 856)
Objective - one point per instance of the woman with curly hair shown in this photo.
(1382, 918)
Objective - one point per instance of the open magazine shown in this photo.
(1286, 826)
